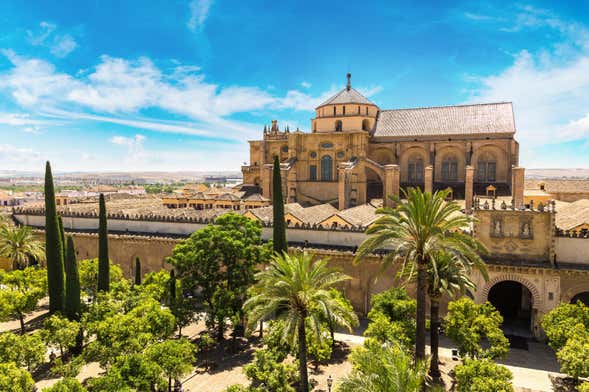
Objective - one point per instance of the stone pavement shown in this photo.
(531, 368)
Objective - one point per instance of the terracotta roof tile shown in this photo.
(446, 120)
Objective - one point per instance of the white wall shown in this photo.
(321, 237)
(572, 250)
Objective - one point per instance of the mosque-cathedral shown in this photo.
(357, 152)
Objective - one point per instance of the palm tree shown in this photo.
(446, 275)
(383, 369)
(413, 232)
(296, 289)
(19, 245)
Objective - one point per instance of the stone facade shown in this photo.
(357, 152)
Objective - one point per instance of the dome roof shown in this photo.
(347, 95)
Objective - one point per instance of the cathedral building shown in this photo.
(357, 152)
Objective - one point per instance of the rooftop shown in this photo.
(347, 95)
(490, 118)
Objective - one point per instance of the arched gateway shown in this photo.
(518, 301)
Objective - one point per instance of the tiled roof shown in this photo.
(265, 214)
(256, 197)
(315, 214)
(347, 96)
(572, 215)
(446, 120)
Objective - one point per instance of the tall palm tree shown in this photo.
(449, 276)
(296, 290)
(19, 245)
(383, 369)
(413, 232)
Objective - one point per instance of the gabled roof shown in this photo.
(445, 121)
(314, 214)
(347, 95)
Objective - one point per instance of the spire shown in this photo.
(349, 85)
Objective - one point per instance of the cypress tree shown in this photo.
(53, 246)
(62, 239)
(103, 262)
(172, 287)
(73, 304)
(137, 271)
(279, 229)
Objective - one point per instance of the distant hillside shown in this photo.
(557, 173)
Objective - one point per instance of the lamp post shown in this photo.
(329, 383)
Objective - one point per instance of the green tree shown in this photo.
(20, 293)
(392, 317)
(482, 375)
(446, 276)
(558, 322)
(59, 332)
(267, 369)
(174, 357)
(574, 355)
(383, 368)
(24, 350)
(218, 263)
(73, 303)
(346, 305)
(138, 271)
(66, 385)
(119, 333)
(53, 247)
(414, 231)
(278, 224)
(296, 289)
(137, 372)
(19, 245)
(103, 260)
(15, 379)
(88, 272)
(157, 286)
(468, 324)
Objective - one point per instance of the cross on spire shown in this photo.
(349, 84)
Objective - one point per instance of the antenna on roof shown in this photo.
(349, 85)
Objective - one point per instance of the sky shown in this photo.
(176, 85)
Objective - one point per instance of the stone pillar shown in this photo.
(517, 186)
(267, 180)
(343, 192)
(429, 178)
(468, 188)
(391, 183)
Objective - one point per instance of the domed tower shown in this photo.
(346, 111)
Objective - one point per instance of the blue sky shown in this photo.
(182, 85)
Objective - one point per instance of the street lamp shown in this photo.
(329, 383)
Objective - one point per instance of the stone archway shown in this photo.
(582, 296)
(519, 302)
(374, 185)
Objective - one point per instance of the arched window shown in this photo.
(338, 126)
(326, 168)
(449, 168)
(365, 125)
(415, 169)
(486, 168)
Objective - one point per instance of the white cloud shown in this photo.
(199, 11)
(63, 45)
(11, 155)
(135, 150)
(19, 119)
(60, 45)
(117, 88)
(32, 130)
(305, 84)
(549, 90)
